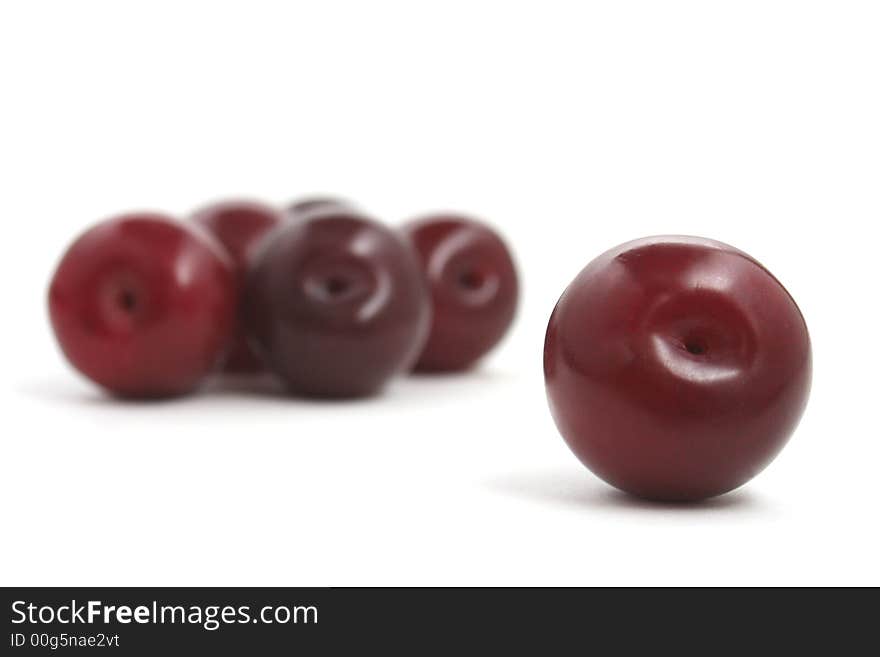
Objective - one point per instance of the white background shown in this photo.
(571, 126)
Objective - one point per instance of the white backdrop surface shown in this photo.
(572, 126)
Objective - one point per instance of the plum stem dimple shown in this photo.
(695, 346)
(471, 279)
(126, 300)
(336, 285)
